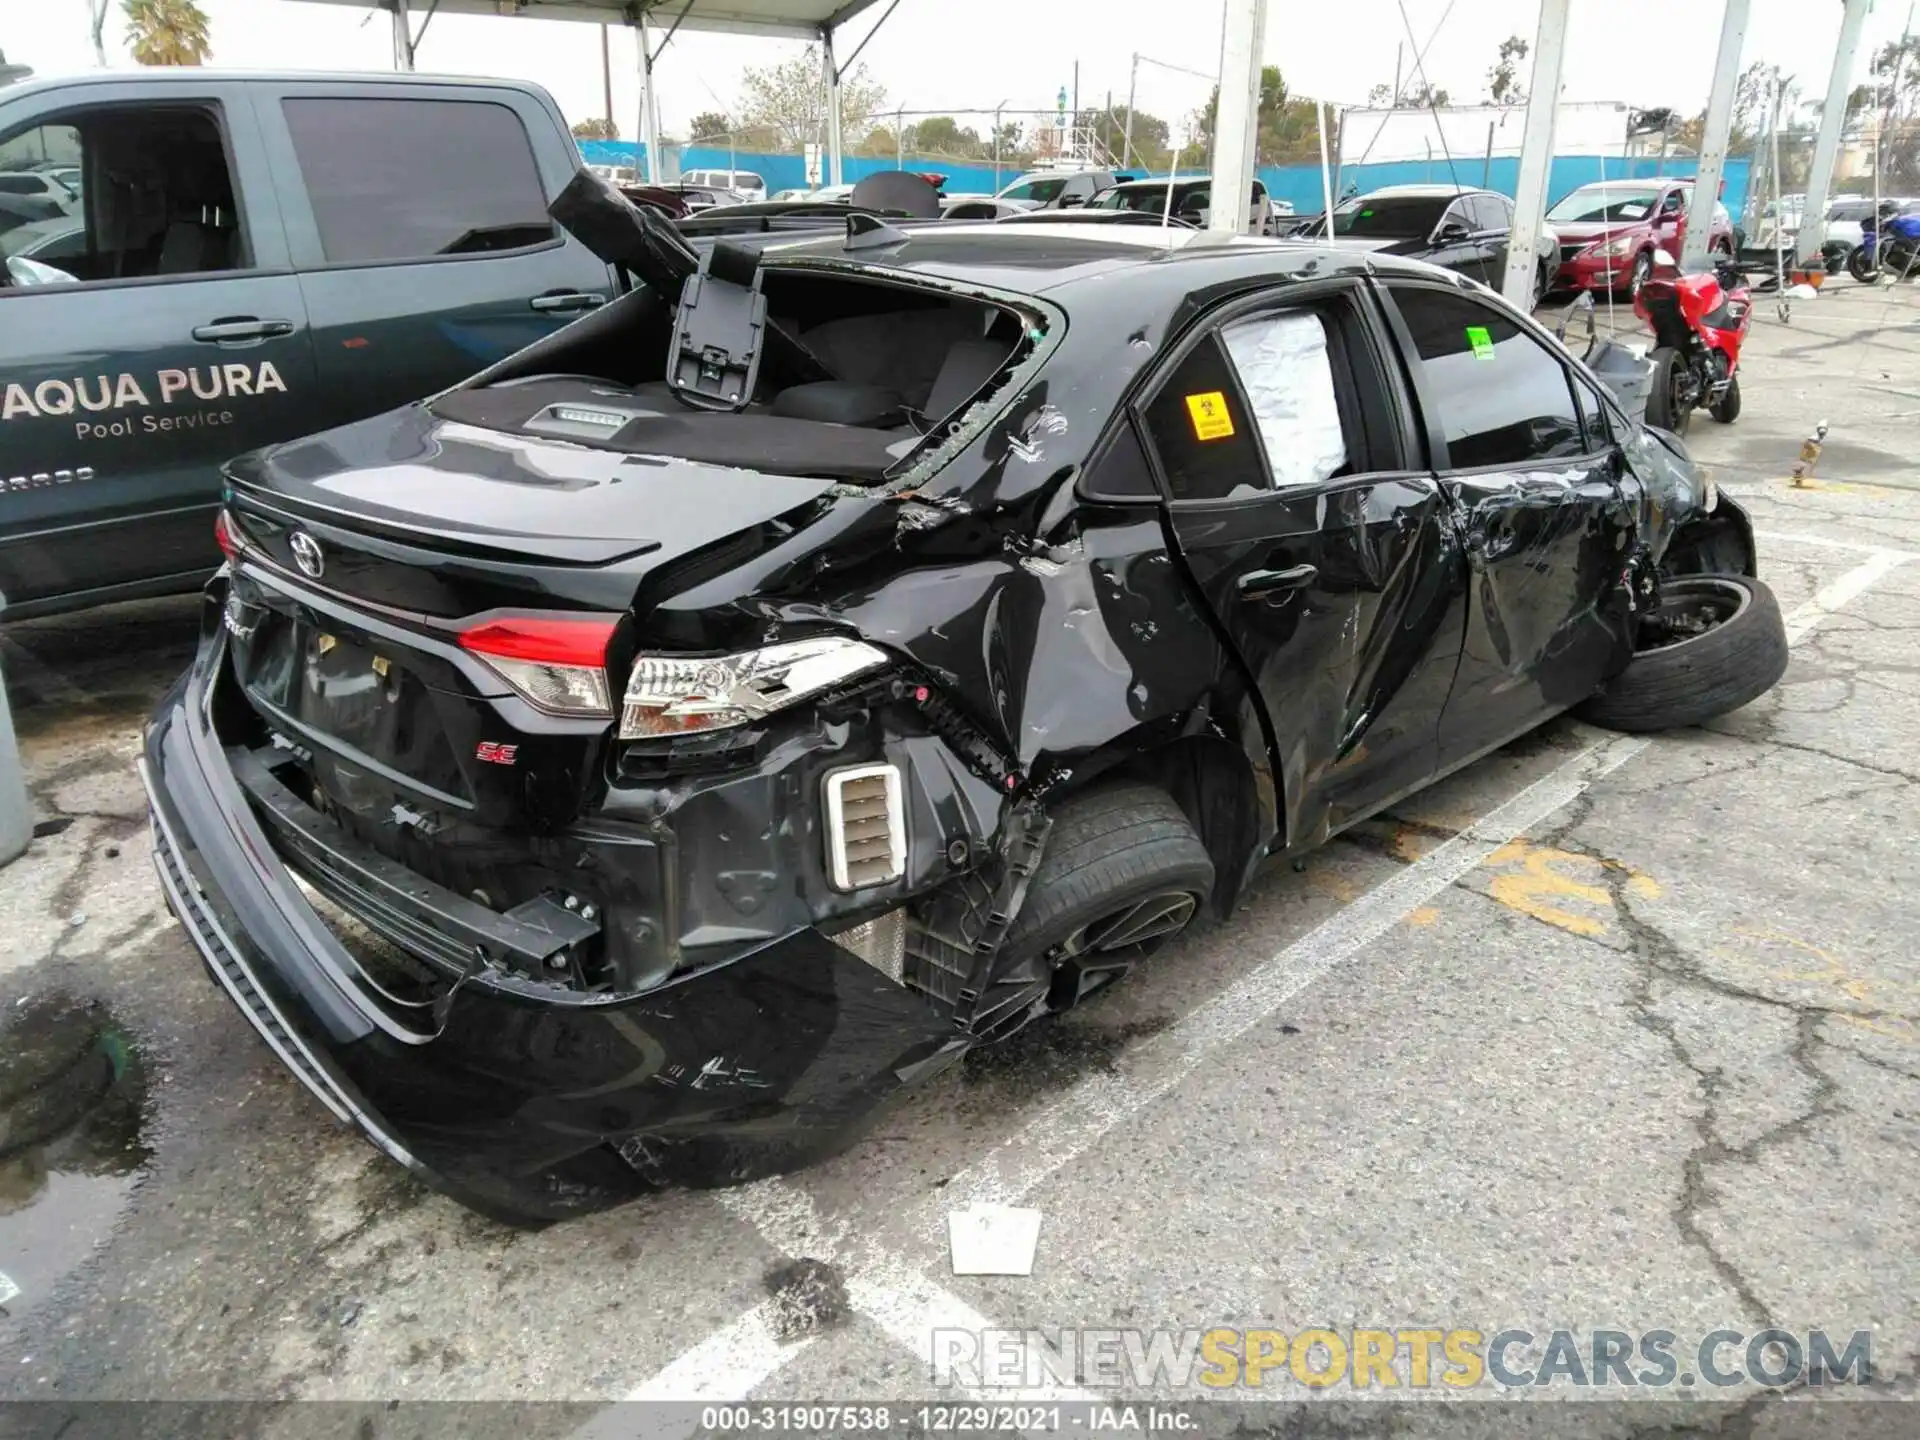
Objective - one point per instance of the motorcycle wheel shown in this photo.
(1727, 408)
(1860, 265)
(1667, 404)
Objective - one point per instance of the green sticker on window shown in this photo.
(1365, 214)
(1481, 341)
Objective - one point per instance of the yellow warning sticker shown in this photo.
(1210, 418)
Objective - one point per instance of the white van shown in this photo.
(744, 183)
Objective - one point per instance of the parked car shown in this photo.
(1610, 230)
(1060, 189)
(1188, 197)
(974, 207)
(748, 185)
(798, 192)
(259, 256)
(44, 186)
(678, 781)
(1453, 226)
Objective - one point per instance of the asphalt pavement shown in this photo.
(1601, 1034)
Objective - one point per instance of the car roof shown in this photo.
(203, 75)
(1053, 259)
(1428, 192)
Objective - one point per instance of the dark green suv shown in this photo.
(245, 259)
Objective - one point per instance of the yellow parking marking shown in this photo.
(1560, 887)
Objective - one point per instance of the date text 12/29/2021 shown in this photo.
(1085, 1417)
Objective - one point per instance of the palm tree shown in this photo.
(168, 32)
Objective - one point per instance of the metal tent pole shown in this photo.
(1536, 154)
(832, 77)
(649, 135)
(1813, 215)
(1126, 144)
(1719, 130)
(1233, 124)
(402, 36)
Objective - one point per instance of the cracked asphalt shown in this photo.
(1653, 1062)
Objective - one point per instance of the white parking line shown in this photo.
(735, 1360)
(1801, 537)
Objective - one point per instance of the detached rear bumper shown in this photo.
(525, 1106)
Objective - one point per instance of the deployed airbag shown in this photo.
(1282, 361)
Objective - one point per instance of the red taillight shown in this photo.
(223, 536)
(542, 641)
(557, 665)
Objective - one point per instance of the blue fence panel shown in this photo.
(1297, 183)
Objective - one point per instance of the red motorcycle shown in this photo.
(1698, 321)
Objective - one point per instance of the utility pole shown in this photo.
(1133, 84)
(1826, 149)
(1536, 154)
(1714, 139)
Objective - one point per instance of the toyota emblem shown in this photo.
(306, 554)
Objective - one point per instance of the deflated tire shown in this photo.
(1716, 643)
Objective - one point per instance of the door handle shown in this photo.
(1256, 583)
(232, 329)
(563, 300)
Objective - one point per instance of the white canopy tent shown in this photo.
(812, 20)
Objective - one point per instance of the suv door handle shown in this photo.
(1256, 583)
(232, 328)
(563, 300)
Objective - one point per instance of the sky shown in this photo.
(934, 55)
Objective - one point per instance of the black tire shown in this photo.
(1680, 678)
(1860, 265)
(1664, 404)
(1727, 408)
(1111, 851)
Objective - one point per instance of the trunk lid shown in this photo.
(367, 553)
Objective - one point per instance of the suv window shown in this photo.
(1502, 396)
(411, 179)
(166, 204)
(1486, 213)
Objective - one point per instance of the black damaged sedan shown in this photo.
(633, 766)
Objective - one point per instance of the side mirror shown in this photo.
(1070, 202)
(1451, 232)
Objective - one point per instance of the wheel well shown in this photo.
(1717, 544)
(1229, 806)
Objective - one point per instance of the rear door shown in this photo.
(1493, 227)
(1534, 485)
(416, 215)
(1325, 552)
(177, 340)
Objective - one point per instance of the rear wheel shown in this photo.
(1727, 408)
(1715, 643)
(1670, 393)
(1123, 872)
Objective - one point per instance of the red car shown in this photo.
(1609, 231)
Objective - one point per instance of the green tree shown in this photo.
(789, 99)
(710, 125)
(943, 136)
(168, 32)
(597, 127)
(1503, 80)
(1286, 127)
(1150, 134)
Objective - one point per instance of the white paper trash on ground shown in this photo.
(7, 1288)
(993, 1239)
